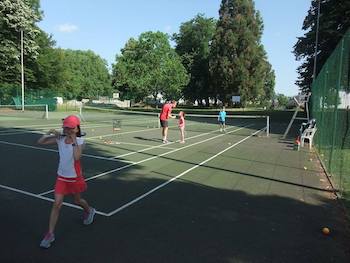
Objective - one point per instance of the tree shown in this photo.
(238, 65)
(192, 43)
(17, 15)
(85, 74)
(333, 23)
(282, 100)
(148, 66)
(47, 68)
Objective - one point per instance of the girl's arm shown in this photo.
(77, 149)
(49, 138)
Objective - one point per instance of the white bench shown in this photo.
(308, 134)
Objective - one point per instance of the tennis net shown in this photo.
(205, 123)
(123, 117)
(194, 122)
(28, 111)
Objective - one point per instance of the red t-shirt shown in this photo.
(166, 111)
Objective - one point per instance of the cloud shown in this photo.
(67, 28)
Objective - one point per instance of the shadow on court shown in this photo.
(186, 221)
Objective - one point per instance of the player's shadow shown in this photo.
(148, 139)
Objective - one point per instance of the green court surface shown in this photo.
(238, 196)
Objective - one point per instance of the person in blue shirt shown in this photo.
(221, 119)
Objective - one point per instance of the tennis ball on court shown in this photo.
(326, 231)
(229, 143)
(100, 137)
(305, 168)
(310, 159)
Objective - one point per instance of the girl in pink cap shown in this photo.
(70, 180)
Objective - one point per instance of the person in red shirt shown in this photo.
(164, 117)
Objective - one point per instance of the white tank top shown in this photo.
(66, 163)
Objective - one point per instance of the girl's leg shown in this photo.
(81, 202)
(182, 133)
(89, 212)
(165, 134)
(55, 212)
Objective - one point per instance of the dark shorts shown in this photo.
(221, 122)
(164, 123)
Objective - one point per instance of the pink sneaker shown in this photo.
(48, 239)
(89, 217)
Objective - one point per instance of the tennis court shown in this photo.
(240, 196)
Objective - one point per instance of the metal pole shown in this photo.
(316, 41)
(22, 66)
(268, 126)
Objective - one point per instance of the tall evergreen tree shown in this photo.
(334, 21)
(237, 62)
(192, 43)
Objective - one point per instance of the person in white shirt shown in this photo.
(70, 180)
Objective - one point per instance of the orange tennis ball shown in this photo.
(326, 231)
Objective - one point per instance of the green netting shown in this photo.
(330, 107)
(34, 97)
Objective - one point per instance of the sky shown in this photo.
(105, 26)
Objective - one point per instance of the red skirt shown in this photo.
(66, 185)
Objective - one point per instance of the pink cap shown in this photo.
(71, 121)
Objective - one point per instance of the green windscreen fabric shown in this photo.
(330, 107)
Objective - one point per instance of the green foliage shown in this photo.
(17, 15)
(238, 63)
(84, 74)
(192, 43)
(7, 91)
(149, 66)
(282, 100)
(333, 23)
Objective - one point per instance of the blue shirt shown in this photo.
(222, 115)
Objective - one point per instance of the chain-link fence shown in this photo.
(330, 107)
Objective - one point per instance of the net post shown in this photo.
(267, 126)
(46, 111)
(158, 121)
(81, 113)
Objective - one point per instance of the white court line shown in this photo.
(121, 133)
(151, 158)
(116, 134)
(136, 144)
(178, 176)
(162, 145)
(53, 150)
(15, 131)
(160, 155)
(44, 198)
(40, 196)
(84, 154)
